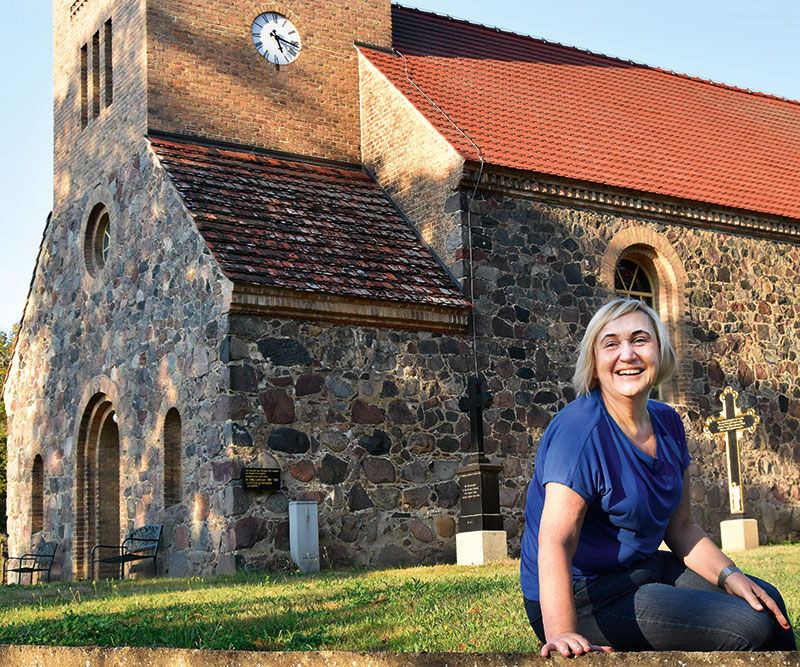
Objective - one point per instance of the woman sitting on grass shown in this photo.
(610, 484)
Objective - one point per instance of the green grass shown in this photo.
(438, 608)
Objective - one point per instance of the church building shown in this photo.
(286, 234)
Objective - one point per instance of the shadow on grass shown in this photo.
(353, 610)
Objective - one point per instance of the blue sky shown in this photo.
(749, 44)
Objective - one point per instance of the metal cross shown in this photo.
(474, 403)
(730, 421)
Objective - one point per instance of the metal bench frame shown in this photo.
(140, 544)
(37, 562)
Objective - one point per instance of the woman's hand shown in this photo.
(742, 586)
(571, 643)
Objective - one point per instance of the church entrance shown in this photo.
(97, 518)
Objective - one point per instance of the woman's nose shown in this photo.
(626, 350)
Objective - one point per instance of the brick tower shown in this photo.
(126, 67)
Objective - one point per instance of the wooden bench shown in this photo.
(37, 562)
(140, 544)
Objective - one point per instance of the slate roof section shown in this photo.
(304, 226)
(546, 108)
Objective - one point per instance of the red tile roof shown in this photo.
(552, 109)
(304, 226)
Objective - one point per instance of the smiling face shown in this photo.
(627, 357)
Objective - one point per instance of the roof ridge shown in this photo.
(628, 61)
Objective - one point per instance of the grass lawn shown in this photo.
(437, 608)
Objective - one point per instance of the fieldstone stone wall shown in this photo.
(537, 283)
(365, 421)
(145, 332)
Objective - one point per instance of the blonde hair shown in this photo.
(584, 379)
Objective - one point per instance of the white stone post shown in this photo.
(304, 535)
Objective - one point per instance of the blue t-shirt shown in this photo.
(631, 496)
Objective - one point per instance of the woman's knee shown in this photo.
(748, 630)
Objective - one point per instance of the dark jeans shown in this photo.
(658, 604)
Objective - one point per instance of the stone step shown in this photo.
(70, 656)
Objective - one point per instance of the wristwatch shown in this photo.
(726, 572)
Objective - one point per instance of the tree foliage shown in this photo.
(6, 347)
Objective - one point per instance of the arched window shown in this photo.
(172, 458)
(97, 240)
(37, 495)
(633, 280)
(641, 263)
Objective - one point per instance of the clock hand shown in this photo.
(294, 45)
(277, 39)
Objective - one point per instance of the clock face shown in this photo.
(276, 38)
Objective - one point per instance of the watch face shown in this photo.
(276, 38)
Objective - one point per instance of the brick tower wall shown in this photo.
(206, 79)
(99, 105)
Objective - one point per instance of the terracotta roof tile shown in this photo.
(537, 106)
(303, 226)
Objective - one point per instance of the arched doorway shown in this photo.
(97, 499)
(641, 263)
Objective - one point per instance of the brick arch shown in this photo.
(97, 480)
(656, 253)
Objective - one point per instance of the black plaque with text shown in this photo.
(261, 479)
(480, 498)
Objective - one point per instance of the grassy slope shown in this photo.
(439, 608)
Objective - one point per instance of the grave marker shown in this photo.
(737, 532)
(480, 537)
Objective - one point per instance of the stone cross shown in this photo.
(729, 423)
(474, 403)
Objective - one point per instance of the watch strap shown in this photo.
(726, 572)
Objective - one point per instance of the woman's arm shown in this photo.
(559, 530)
(690, 544)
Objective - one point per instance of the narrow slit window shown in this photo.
(96, 75)
(108, 66)
(84, 86)
(37, 495)
(172, 458)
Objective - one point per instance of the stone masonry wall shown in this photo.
(363, 421)
(537, 270)
(146, 333)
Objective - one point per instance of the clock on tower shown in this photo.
(276, 38)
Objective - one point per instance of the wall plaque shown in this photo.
(261, 479)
